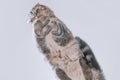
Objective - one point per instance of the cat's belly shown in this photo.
(66, 58)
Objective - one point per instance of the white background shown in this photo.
(95, 21)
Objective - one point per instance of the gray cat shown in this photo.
(71, 57)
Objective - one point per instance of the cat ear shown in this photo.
(38, 4)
